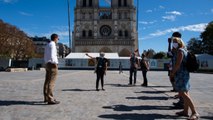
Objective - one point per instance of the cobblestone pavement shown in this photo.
(21, 97)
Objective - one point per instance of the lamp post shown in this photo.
(137, 13)
(68, 5)
(137, 23)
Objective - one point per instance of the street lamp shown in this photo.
(68, 5)
(137, 13)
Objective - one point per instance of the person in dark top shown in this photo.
(144, 68)
(120, 68)
(170, 55)
(134, 62)
(101, 69)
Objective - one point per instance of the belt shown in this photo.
(52, 63)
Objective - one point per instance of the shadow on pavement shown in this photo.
(78, 90)
(152, 92)
(207, 117)
(135, 116)
(160, 86)
(119, 85)
(148, 98)
(13, 102)
(131, 108)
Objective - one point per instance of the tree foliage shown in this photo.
(159, 55)
(15, 43)
(205, 45)
(207, 39)
(149, 53)
(195, 45)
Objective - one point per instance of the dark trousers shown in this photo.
(100, 75)
(144, 77)
(132, 71)
(172, 79)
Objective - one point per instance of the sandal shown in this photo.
(194, 116)
(181, 113)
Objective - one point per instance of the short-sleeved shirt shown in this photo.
(101, 63)
(143, 62)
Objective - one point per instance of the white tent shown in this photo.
(204, 57)
(83, 55)
(205, 61)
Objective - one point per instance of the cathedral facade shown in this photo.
(105, 29)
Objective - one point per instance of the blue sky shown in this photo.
(157, 19)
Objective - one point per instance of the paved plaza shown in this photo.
(21, 97)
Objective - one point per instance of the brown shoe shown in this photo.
(53, 102)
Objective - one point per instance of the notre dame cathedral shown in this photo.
(109, 29)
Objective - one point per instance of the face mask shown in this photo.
(175, 45)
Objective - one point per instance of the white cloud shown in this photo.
(161, 7)
(61, 34)
(174, 13)
(62, 31)
(169, 17)
(8, 1)
(194, 28)
(25, 14)
(146, 23)
(60, 28)
(149, 11)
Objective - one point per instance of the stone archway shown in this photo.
(124, 53)
(85, 50)
(106, 50)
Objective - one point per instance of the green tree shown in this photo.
(159, 55)
(149, 53)
(195, 45)
(207, 39)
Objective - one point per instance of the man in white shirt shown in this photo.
(51, 64)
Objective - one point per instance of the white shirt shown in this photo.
(50, 53)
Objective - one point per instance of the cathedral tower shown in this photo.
(109, 29)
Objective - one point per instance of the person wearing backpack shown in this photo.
(181, 76)
(101, 69)
(144, 64)
(171, 50)
(134, 62)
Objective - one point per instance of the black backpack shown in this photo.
(191, 62)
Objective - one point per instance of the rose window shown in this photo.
(105, 30)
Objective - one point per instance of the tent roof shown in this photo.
(83, 55)
(204, 56)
